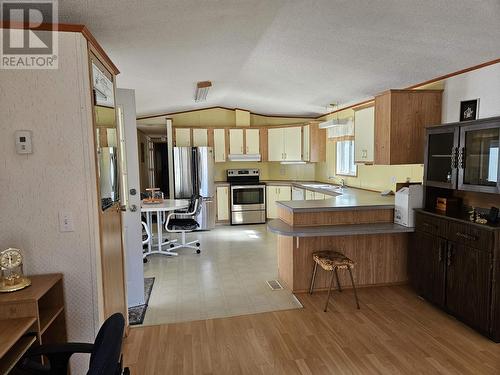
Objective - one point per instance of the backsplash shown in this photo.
(269, 170)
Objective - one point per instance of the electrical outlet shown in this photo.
(66, 222)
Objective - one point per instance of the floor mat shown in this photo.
(136, 314)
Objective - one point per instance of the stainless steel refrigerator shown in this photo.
(194, 174)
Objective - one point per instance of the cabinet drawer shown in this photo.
(430, 224)
(470, 235)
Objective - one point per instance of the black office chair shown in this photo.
(105, 353)
(183, 222)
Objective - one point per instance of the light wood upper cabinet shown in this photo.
(220, 145)
(313, 142)
(200, 137)
(222, 203)
(252, 141)
(364, 134)
(236, 142)
(276, 151)
(306, 142)
(182, 137)
(400, 120)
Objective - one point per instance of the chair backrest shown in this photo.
(195, 201)
(105, 356)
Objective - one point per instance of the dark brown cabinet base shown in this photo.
(458, 276)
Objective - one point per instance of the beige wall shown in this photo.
(59, 176)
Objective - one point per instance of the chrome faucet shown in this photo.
(342, 183)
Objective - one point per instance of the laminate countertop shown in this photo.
(344, 199)
(280, 227)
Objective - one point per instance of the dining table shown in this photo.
(160, 209)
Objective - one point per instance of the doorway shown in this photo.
(160, 169)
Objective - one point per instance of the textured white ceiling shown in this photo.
(284, 57)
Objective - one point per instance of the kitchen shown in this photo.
(280, 234)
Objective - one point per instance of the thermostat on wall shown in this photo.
(23, 142)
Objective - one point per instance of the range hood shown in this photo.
(244, 157)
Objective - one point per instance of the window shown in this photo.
(345, 158)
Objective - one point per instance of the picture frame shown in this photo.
(469, 110)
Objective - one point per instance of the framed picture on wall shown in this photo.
(469, 110)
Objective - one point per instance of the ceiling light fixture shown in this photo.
(202, 91)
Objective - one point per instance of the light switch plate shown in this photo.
(23, 142)
(66, 222)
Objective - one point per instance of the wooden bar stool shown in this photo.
(332, 261)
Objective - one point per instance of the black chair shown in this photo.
(105, 353)
(183, 222)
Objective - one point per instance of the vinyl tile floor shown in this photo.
(227, 279)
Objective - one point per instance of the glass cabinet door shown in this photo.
(441, 158)
(478, 158)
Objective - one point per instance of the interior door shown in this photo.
(110, 219)
(468, 284)
(131, 200)
(293, 143)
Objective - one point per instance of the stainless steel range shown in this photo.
(248, 196)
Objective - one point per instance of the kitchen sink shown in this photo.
(322, 186)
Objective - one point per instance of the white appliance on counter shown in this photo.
(407, 198)
(298, 194)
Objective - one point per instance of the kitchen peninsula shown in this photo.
(356, 222)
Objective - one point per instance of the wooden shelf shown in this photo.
(47, 316)
(15, 353)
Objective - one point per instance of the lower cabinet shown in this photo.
(222, 203)
(455, 276)
(274, 194)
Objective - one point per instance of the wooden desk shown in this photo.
(31, 316)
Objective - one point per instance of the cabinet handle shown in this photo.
(454, 156)
(466, 236)
(450, 254)
(440, 252)
(461, 158)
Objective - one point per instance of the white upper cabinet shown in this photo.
(182, 137)
(252, 138)
(285, 144)
(200, 137)
(293, 143)
(236, 142)
(276, 146)
(364, 134)
(306, 142)
(219, 145)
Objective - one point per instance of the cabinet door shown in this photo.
(293, 143)
(276, 150)
(272, 195)
(200, 137)
(441, 158)
(252, 138)
(222, 203)
(309, 195)
(364, 128)
(220, 145)
(236, 141)
(182, 137)
(285, 193)
(478, 158)
(468, 284)
(318, 196)
(306, 142)
(429, 262)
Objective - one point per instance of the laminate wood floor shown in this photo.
(395, 332)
